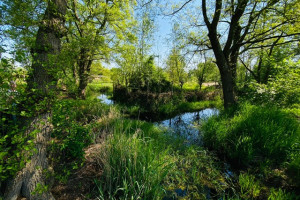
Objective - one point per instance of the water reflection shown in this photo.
(104, 98)
(185, 124)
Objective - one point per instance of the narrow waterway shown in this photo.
(186, 124)
(104, 99)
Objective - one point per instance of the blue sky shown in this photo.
(161, 46)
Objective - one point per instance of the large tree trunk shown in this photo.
(228, 85)
(84, 72)
(227, 71)
(30, 180)
(47, 44)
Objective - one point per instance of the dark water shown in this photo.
(104, 99)
(186, 124)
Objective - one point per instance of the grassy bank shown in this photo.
(263, 141)
(141, 162)
(133, 159)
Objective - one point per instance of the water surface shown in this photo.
(186, 124)
(104, 99)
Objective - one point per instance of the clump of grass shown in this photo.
(249, 187)
(134, 164)
(140, 162)
(253, 135)
(281, 194)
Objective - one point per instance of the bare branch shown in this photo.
(270, 45)
(179, 9)
(217, 13)
(147, 3)
(204, 12)
(253, 74)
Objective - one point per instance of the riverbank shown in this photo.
(129, 158)
(135, 159)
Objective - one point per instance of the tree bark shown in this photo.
(47, 44)
(84, 72)
(30, 179)
(226, 71)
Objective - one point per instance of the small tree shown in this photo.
(176, 68)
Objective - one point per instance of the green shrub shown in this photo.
(72, 133)
(253, 135)
(13, 142)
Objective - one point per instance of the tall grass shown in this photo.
(253, 135)
(134, 164)
(139, 161)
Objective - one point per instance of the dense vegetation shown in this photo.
(83, 99)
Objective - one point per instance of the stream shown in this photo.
(186, 126)
(104, 99)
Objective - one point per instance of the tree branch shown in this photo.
(217, 13)
(204, 12)
(179, 9)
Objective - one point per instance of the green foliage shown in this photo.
(13, 139)
(206, 72)
(72, 133)
(196, 173)
(135, 163)
(176, 68)
(281, 194)
(282, 88)
(249, 187)
(253, 135)
(13, 142)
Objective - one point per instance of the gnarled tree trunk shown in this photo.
(84, 65)
(47, 44)
(30, 182)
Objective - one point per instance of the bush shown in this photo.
(13, 142)
(253, 135)
(72, 133)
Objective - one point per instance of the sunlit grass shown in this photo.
(190, 86)
(139, 161)
(255, 134)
